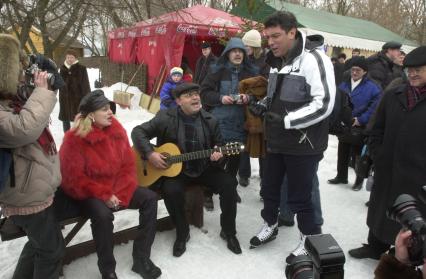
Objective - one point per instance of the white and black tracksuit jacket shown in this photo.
(301, 90)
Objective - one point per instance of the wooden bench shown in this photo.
(194, 212)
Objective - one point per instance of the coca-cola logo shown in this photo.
(120, 34)
(216, 32)
(188, 29)
(132, 34)
(146, 31)
(162, 29)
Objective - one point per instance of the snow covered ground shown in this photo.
(207, 256)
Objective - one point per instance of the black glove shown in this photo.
(259, 108)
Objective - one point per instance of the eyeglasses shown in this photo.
(414, 70)
(190, 94)
(356, 70)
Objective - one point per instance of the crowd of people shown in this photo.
(278, 101)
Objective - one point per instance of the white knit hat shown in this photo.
(176, 70)
(252, 38)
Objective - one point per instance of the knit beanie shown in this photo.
(176, 70)
(252, 38)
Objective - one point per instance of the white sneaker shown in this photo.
(300, 249)
(267, 233)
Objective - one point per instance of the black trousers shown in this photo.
(300, 171)
(42, 255)
(231, 167)
(344, 154)
(376, 244)
(215, 179)
(101, 217)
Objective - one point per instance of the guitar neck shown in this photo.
(192, 156)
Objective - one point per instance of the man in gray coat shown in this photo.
(27, 195)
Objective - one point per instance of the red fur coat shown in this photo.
(98, 165)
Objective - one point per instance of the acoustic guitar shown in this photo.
(148, 174)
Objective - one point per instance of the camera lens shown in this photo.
(404, 210)
(301, 267)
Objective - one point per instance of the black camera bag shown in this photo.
(326, 254)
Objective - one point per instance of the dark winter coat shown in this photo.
(390, 268)
(76, 86)
(166, 96)
(168, 127)
(223, 80)
(260, 64)
(202, 67)
(364, 98)
(397, 145)
(382, 70)
(98, 165)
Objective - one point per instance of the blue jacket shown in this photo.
(166, 96)
(364, 98)
(223, 79)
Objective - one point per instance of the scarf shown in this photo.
(45, 140)
(414, 95)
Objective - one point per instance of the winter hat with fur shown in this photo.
(9, 64)
(252, 38)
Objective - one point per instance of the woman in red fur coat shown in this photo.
(98, 168)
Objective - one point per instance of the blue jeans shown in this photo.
(285, 212)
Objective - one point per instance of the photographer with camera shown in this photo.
(399, 265)
(27, 194)
(397, 147)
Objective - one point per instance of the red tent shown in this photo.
(169, 37)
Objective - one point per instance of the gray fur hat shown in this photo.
(10, 66)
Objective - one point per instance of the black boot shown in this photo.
(111, 275)
(146, 268)
(358, 184)
(232, 242)
(337, 180)
(366, 251)
(180, 246)
(244, 181)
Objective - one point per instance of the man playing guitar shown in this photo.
(191, 129)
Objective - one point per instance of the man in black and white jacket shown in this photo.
(301, 92)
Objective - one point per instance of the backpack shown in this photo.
(6, 168)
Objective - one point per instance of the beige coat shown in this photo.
(37, 175)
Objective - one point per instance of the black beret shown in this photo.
(416, 58)
(205, 44)
(391, 45)
(359, 61)
(94, 101)
(185, 87)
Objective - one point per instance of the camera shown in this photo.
(259, 108)
(325, 260)
(236, 98)
(37, 63)
(405, 211)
